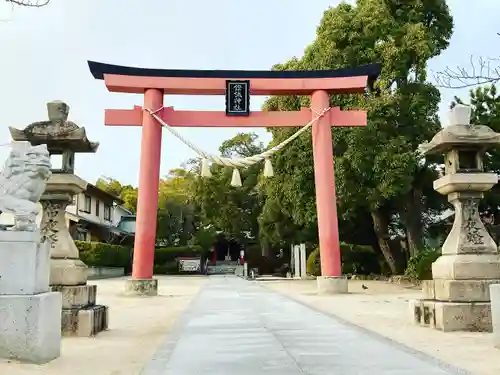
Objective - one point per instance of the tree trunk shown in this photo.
(381, 227)
(412, 217)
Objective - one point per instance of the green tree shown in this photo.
(376, 166)
(204, 237)
(176, 214)
(226, 209)
(127, 193)
(175, 217)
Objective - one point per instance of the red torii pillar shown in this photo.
(155, 83)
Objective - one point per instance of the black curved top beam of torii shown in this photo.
(99, 69)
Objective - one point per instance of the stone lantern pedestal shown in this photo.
(68, 274)
(66, 268)
(458, 297)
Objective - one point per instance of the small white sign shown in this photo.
(189, 265)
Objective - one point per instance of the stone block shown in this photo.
(415, 306)
(463, 290)
(67, 272)
(20, 236)
(63, 183)
(495, 313)
(238, 271)
(24, 264)
(465, 182)
(332, 284)
(84, 322)
(423, 312)
(463, 316)
(76, 296)
(30, 327)
(467, 267)
(428, 289)
(141, 287)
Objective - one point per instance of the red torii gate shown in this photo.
(155, 83)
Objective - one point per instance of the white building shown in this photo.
(96, 215)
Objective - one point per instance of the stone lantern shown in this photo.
(458, 299)
(68, 274)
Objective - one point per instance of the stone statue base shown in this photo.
(30, 314)
(80, 314)
(452, 316)
(458, 299)
(460, 302)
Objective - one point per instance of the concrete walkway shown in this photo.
(238, 327)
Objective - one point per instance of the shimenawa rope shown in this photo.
(236, 162)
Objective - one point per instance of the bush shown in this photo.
(313, 265)
(164, 255)
(356, 259)
(98, 254)
(166, 258)
(420, 266)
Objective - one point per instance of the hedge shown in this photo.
(166, 258)
(356, 259)
(98, 254)
(165, 255)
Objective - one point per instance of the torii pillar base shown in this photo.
(141, 287)
(332, 284)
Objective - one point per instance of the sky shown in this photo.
(44, 53)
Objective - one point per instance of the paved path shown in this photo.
(236, 327)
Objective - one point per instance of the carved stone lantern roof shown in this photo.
(57, 133)
(460, 134)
